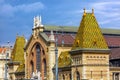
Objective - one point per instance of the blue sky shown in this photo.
(16, 16)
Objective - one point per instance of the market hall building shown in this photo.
(85, 53)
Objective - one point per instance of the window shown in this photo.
(77, 76)
(45, 68)
(32, 66)
(63, 77)
(38, 57)
(70, 76)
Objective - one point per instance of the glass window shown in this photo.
(63, 77)
(38, 57)
(45, 68)
(32, 66)
(77, 76)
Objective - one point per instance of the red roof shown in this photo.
(115, 53)
(2, 50)
(67, 39)
(112, 41)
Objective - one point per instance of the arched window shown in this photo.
(32, 66)
(45, 68)
(70, 76)
(38, 50)
(63, 77)
(77, 76)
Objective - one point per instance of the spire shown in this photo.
(89, 34)
(84, 12)
(34, 22)
(18, 49)
(92, 12)
(41, 21)
(37, 22)
(51, 37)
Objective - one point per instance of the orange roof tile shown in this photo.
(2, 50)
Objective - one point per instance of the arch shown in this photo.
(77, 75)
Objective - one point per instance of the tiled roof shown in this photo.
(75, 28)
(18, 50)
(115, 53)
(3, 50)
(21, 68)
(113, 41)
(64, 39)
(64, 59)
(17, 54)
(89, 34)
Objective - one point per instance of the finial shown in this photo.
(51, 37)
(34, 22)
(17, 34)
(84, 12)
(40, 20)
(93, 12)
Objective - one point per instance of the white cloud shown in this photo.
(30, 7)
(110, 11)
(9, 10)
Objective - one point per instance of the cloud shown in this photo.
(9, 10)
(110, 11)
(29, 7)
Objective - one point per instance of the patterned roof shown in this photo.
(89, 34)
(21, 68)
(64, 59)
(17, 54)
(111, 40)
(18, 50)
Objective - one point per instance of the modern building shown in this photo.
(84, 53)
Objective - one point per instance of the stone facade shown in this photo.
(86, 59)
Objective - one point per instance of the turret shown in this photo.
(37, 26)
(51, 53)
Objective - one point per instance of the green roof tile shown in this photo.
(64, 59)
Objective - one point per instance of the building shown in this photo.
(83, 54)
(5, 53)
(16, 65)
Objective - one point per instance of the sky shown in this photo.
(16, 16)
